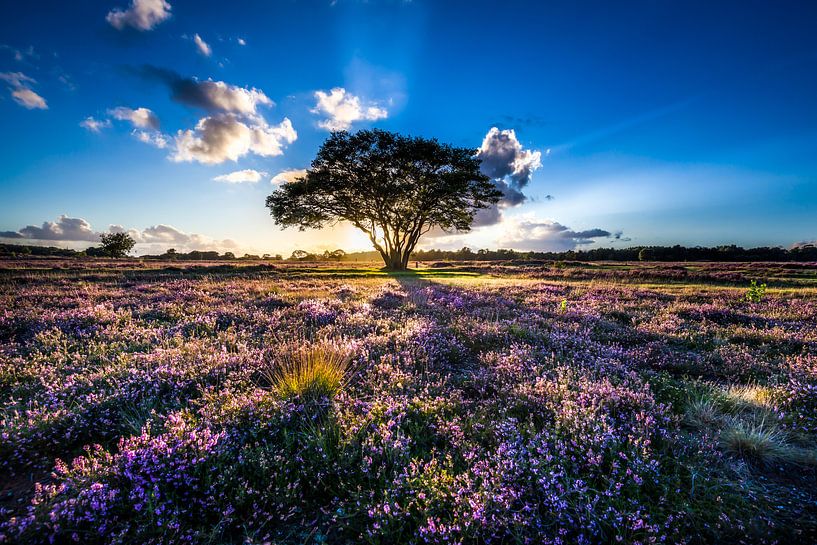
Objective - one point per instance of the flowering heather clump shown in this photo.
(214, 406)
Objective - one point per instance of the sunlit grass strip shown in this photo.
(748, 396)
(311, 374)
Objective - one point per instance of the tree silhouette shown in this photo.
(394, 188)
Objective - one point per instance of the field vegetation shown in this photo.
(503, 402)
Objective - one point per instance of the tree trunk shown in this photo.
(398, 260)
(395, 259)
(394, 262)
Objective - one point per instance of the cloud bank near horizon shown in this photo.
(158, 237)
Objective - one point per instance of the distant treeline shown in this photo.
(801, 253)
(638, 253)
(20, 250)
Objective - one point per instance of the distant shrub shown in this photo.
(311, 374)
(755, 292)
(117, 244)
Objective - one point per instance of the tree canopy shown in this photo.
(392, 187)
(116, 244)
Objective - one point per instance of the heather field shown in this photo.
(560, 402)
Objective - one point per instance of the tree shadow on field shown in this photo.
(423, 285)
(414, 279)
(429, 274)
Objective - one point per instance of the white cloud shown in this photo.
(95, 125)
(141, 15)
(234, 129)
(214, 96)
(142, 118)
(218, 95)
(240, 176)
(343, 109)
(203, 47)
(287, 176)
(20, 88)
(65, 228)
(153, 138)
(226, 137)
(28, 98)
(135, 234)
(161, 237)
(530, 233)
(164, 233)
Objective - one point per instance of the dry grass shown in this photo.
(764, 445)
(743, 416)
(311, 374)
(760, 443)
(739, 398)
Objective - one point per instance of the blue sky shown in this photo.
(617, 124)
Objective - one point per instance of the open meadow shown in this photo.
(539, 402)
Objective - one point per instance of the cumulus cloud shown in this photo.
(20, 88)
(203, 47)
(213, 96)
(155, 139)
(141, 15)
(65, 228)
(343, 108)
(235, 126)
(94, 125)
(288, 176)
(162, 236)
(240, 176)
(510, 166)
(547, 235)
(506, 161)
(226, 137)
(142, 118)
(164, 233)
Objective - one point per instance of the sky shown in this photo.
(606, 124)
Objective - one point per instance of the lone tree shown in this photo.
(117, 244)
(394, 188)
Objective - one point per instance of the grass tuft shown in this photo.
(311, 374)
(738, 398)
(702, 413)
(760, 443)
